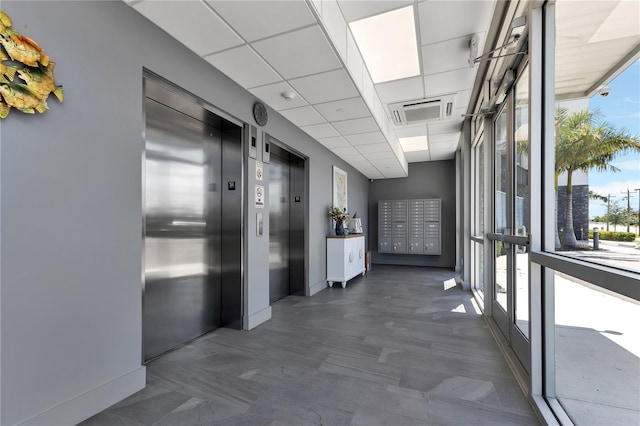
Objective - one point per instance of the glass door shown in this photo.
(509, 239)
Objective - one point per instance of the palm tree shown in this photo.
(584, 142)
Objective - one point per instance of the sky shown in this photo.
(622, 109)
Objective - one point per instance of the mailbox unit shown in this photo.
(409, 226)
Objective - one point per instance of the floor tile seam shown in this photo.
(125, 419)
(388, 379)
(398, 412)
(223, 394)
(373, 363)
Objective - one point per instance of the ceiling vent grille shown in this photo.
(422, 110)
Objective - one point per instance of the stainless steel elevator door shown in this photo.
(279, 232)
(182, 229)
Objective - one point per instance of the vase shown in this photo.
(340, 227)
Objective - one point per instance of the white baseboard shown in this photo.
(259, 317)
(317, 287)
(92, 402)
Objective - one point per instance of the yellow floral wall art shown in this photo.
(26, 72)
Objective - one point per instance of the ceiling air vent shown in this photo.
(422, 110)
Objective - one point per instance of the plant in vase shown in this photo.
(340, 217)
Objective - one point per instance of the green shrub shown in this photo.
(615, 236)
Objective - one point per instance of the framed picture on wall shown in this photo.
(340, 188)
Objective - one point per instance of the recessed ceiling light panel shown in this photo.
(388, 44)
(414, 143)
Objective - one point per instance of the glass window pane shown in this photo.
(521, 137)
(522, 290)
(501, 173)
(501, 273)
(480, 150)
(597, 148)
(477, 259)
(597, 359)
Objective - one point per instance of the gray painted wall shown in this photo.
(70, 305)
(435, 179)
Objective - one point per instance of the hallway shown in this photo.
(393, 348)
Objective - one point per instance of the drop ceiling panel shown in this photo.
(325, 87)
(335, 25)
(442, 20)
(298, 53)
(372, 173)
(380, 156)
(417, 156)
(446, 56)
(334, 142)
(400, 90)
(354, 159)
(320, 130)
(450, 81)
(461, 102)
(444, 138)
(345, 109)
(437, 127)
(255, 20)
(271, 94)
(394, 173)
(345, 150)
(355, 64)
(355, 10)
(244, 67)
(410, 131)
(359, 125)
(384, 163)
(377, 147)
(366, 138)
(192, 23)
(303, 116)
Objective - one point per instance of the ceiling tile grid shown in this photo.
(255, 20)
(271, 95)
(325, 87)
(244, 66)
(298, 53)
(334, 142)
(272, 47)
(192, 23)
(324, 130)
(303, 116)
(366, 138)
(344, 109)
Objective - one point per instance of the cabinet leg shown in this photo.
(330, 284)
(344, 284)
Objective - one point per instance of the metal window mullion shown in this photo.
(511, 200)
(621, 282)
(489, 208)
(536, 117)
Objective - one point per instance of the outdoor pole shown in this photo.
(608, 206)
(628, 208)
(638, 189)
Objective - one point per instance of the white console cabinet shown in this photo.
(345, 258)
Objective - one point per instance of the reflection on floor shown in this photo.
(393, 348)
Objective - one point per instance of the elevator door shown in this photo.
(182, 245)
(287, 183)
(279, 217)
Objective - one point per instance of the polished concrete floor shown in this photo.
(393, 348)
